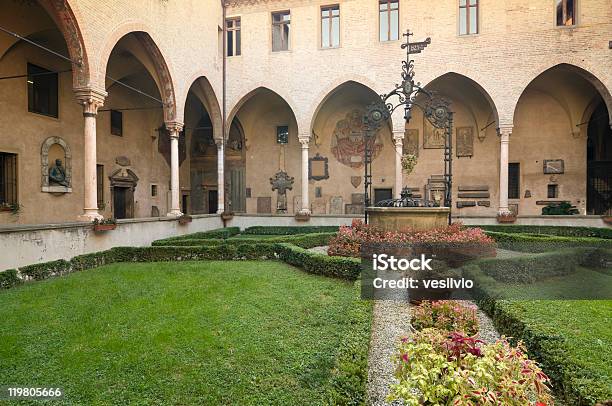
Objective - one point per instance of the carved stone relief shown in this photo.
(347, 141)
(465, 141)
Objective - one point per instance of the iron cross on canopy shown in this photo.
(414, 47)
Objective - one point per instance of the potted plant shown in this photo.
(13, 208)
(185, 219)
(506, 217)
(104, 224)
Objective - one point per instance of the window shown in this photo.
(100, 186)
(153, 190)
(280, 31)
(8, 179)
(388, 13)
(553, 191)
(566, 12)
(282, 134)
(514, 181)
(232, 26)
(116, 118)
(330, 26)
(42, 91)
(468, 17)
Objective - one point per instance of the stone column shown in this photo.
(398, 137)
(220, 176)
(91, 99)
(504, 138)
(304, 140)
(175, 201)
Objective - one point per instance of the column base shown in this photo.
(90, 215)
(505, 216)
(303, 215)
(174, 213)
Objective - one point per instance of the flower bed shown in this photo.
(349, 239)
(436, 367)
(450, 315)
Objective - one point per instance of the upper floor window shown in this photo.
(8, 180)
(42, 91)
(280, 30)
(566, 12)
(388, 15)
(116, 122)
(233, 36)
(468, 17)
(330, 26)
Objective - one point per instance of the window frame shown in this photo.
(14, 182)
(329, 8)
(388, 13)
(468, 8)
(280, 23)
(112, 113)
(236, 32)
(30, 85)
(564, 12)
(100, 186)
(518, 181)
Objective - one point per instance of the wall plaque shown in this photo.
(318, 168)
(347, 141)
(411, 142)
(433, 138)
(465, 141)
(554, 166)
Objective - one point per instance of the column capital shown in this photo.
(399, 134)
(304, 140)
(505, 130)
(218, 142)
(91, 99)
(174, 127)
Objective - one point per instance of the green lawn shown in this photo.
(177, 333)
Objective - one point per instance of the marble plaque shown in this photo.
(411, 142)
(264, 205)
(354, 209)
(433, 138)
(319, 206)
(465, 141)
(335, 205)
(358, 198)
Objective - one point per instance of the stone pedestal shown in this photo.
(403, 218)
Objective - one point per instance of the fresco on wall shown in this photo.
(347, 142)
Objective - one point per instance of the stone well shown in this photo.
(401, 218)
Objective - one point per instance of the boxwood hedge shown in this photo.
(560, 231)
(289, 230)
(532, 242)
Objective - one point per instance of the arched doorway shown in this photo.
(599, 162)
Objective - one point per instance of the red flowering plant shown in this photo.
(349, 239)
(449, 315)
(435, 367)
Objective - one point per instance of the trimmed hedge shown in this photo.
(289, 230)
(341, 267)
(561, 231)
(532, 242)
(350, 373)
(534, 267)
(218, 233)
(338, 267)
(304, 241)
(578, 386)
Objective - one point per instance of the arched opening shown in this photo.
(599, 162)
(263, 155)
(338, 139)
(131, 133)
(37, 102)
(550, 146)
(475, 147)
(203, 133)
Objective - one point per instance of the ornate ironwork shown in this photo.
(409, 94)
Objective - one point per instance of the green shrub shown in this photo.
(532, 268)
(9, 279)
(532, 242)
(45, 270)
(289, 230)
(599, 259)
(349, 375)
(304, 241)
(561, 231)
(340, 267)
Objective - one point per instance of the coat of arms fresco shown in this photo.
(347, 141)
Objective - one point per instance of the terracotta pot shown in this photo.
(185, 220)
(227, 216)
(104, 227)
(607, 219)
(302, 217)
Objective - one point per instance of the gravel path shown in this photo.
(319, 250)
